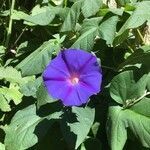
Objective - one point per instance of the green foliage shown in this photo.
(43, 97)
(2, 146)
(37, 61)
(11, 93)
(124, 88)
(72, 17)
(139, 16)
(108, 29)
(92, 9)
(10, 74)
(30, 88)
(33, 32)
(78, 118)
(118, 122)
(39, 16)
(89, 31)
(25, 128)
(4, 106)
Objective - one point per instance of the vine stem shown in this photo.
(19, 37)
(106, 67)
(10, 24)
(145, 94)
(137, 100)
(141, 36)
(65, 3)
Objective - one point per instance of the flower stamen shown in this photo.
(75, 80)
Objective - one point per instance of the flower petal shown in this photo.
(58, 65)
(78, 95)
(92, 81)
(76, 60)
(57, 89)
(73, 63)
(72, 98)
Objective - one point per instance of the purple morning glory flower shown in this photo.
(73, 76)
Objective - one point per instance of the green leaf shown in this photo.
(57, 2)
(137, 18)
(118, 122)
(117, 11)
(27, 128)
(39, 15)
(91, 7)
(108, 29)
(72, 17)
(95, 128)
(76, 125)
(4, 106)
(30, 88)
(36, 62)
(43, 97)
(10, 74)
(125, 89)
(90, 30)
(2, 146)
(18, 15)
(11, 93)
(137, 58)
(2, 49)
(123, 2)
(142, 107)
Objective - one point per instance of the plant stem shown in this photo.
(19, 37)
(106, 67)
(140, 35)
(145, 94)
(129, 46)
(132, 102)
(10, 24)
(65, 3)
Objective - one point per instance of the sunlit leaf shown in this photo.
(108, 29)
(39, 16)
(118, 122)
(90, 7)
(2, 146)
(43, 97)
(4, 106)
(137, 18)
(30, 88)
(124, 87)
(72, 17)
(27, 128)
(10, 74)
(90, 30)
(76, 125)
(37, 61)
(11, 94)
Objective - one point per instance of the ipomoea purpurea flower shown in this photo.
(73, 76)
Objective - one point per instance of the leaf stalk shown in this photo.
(10, 24)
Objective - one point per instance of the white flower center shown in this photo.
(75, 80)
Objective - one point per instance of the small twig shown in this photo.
(106, 67)
(130, 103)
(10, 24)
(128, 45)
(19, 37)
(140, 35)
(130, 48)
